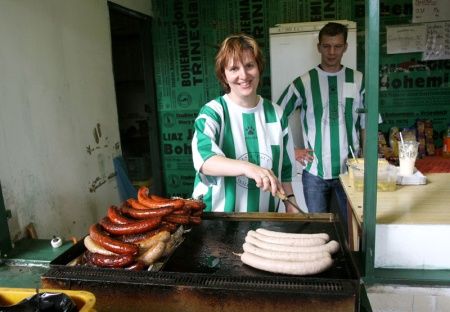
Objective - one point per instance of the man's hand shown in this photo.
(304, 156)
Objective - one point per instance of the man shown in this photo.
(328, 97)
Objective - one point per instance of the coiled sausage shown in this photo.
(117, 261)
(103, 239)
(144, 199)
(136, 227)
(116, 216)
(146, 213)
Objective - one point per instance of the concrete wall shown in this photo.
(58, 116)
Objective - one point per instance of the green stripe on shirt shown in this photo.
(348, 110)
(276, 160)
(251, 141)
(333, 113)
(230, 152)
(204, 142)
(318, 113)
(269, 112)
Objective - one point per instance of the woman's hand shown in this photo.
(304, 156)
(265, 178)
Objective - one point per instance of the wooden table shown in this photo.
(410, 204)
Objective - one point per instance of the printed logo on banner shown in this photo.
(265, 161)
(169, 120)
(184, 99)
(174, 180)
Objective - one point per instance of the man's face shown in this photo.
(332, 49)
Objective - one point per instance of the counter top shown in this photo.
(409, 204)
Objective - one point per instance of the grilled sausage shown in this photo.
(266, 232)
(146, 213)
(96, 248)
(284, 255)
(136, 227)
(194, 204)
(116, 216)
(117, 261)
(144, 199)
(134, 203)
(136, 266)
(178, 219)
(331, 247)
(153, 253)
(287, 267)
(134, 238)
(195, 220)
(162, 236)
(182, 211)
(103, 239)
(197, 213)
(308, 241)
(171, 227)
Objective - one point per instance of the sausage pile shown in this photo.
(140, 232)
(288, 253)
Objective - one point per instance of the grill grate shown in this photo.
(265, 284)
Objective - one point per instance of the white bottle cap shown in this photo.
(56, 242)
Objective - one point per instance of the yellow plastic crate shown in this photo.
(84, 300)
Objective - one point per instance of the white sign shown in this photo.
(405, 39)
(425, 11)
(438, 42)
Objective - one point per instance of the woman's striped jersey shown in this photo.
(258, 135)
(328, 105)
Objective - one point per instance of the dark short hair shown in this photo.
(333, 29)
(232, 48)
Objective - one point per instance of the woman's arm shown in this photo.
(221, 166)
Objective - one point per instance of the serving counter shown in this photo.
(412, 223)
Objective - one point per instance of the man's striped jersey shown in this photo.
(258, 135)
(328, 105)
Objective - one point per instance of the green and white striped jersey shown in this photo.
(258, 135)
(328, 105)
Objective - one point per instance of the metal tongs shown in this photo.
(285, 199)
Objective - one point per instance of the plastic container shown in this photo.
(353, 165)
(84, 300)
(386, 179)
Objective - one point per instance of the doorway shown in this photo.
(131, 44)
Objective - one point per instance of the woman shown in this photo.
(241, 148)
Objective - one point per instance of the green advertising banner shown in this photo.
(186, 35)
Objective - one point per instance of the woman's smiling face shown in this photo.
(242, 75)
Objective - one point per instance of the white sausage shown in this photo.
(287, 267)
(162, 236)
(266, 232)
(153, 253)
(96, 248)
(284, 255)
(331, 246)
(311, 241)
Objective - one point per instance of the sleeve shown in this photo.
(291, 97)
(288, 169)
(360, 104)
(205, 142)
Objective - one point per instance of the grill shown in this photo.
(205, 274)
